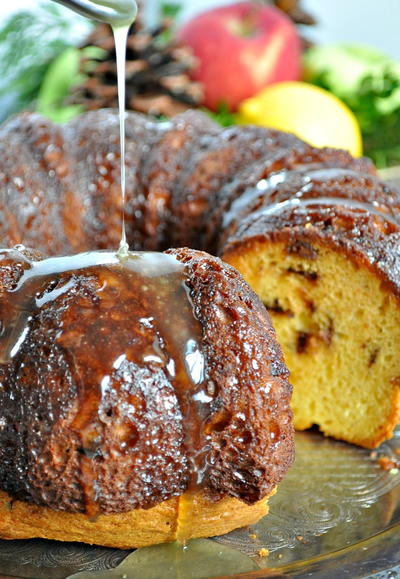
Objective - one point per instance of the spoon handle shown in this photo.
(114, 12)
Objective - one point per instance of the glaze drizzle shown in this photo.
(160, 281)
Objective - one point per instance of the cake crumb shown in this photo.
(301, 539)
(263, 552)
(253, 536)
(387, 463)
(374, 455)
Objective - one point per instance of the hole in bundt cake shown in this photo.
(275, 430)
(310, 305)
(302, 249)
(302, 342)
(218, 422)
(277, 308)
(309, 275)
(246, 437)
(373, 356)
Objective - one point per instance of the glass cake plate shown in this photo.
(336, 514)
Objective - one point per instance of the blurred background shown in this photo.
(376, 23)
(327, 71)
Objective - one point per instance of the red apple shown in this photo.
(240, 49)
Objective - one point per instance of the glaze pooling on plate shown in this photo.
(334, 495)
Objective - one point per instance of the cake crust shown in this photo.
(189, 516)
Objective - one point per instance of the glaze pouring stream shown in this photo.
(119, 14)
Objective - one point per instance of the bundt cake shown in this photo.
(313, 231)
(148, 394)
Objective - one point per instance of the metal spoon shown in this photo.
(114, 12)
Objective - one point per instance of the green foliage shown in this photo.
(29, 42)
(369, 83)
(222, 115)
(380, 124)
(170, 10)
(62, 75)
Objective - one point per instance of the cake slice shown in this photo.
(321, 248)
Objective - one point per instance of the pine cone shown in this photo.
(298, 15)
(295, 11)
(157, 72)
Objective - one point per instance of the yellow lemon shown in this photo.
(311, 113)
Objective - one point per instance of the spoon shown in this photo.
(115, 12)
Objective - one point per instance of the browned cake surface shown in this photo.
(215, 160)
(355, 212)
(163, 167)
(286, 169)
(91, 151)
(92, 416)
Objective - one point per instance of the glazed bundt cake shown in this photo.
(313, 231)
(147, 393)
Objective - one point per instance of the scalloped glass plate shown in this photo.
(336, 514)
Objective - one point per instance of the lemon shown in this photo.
(311, 113)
